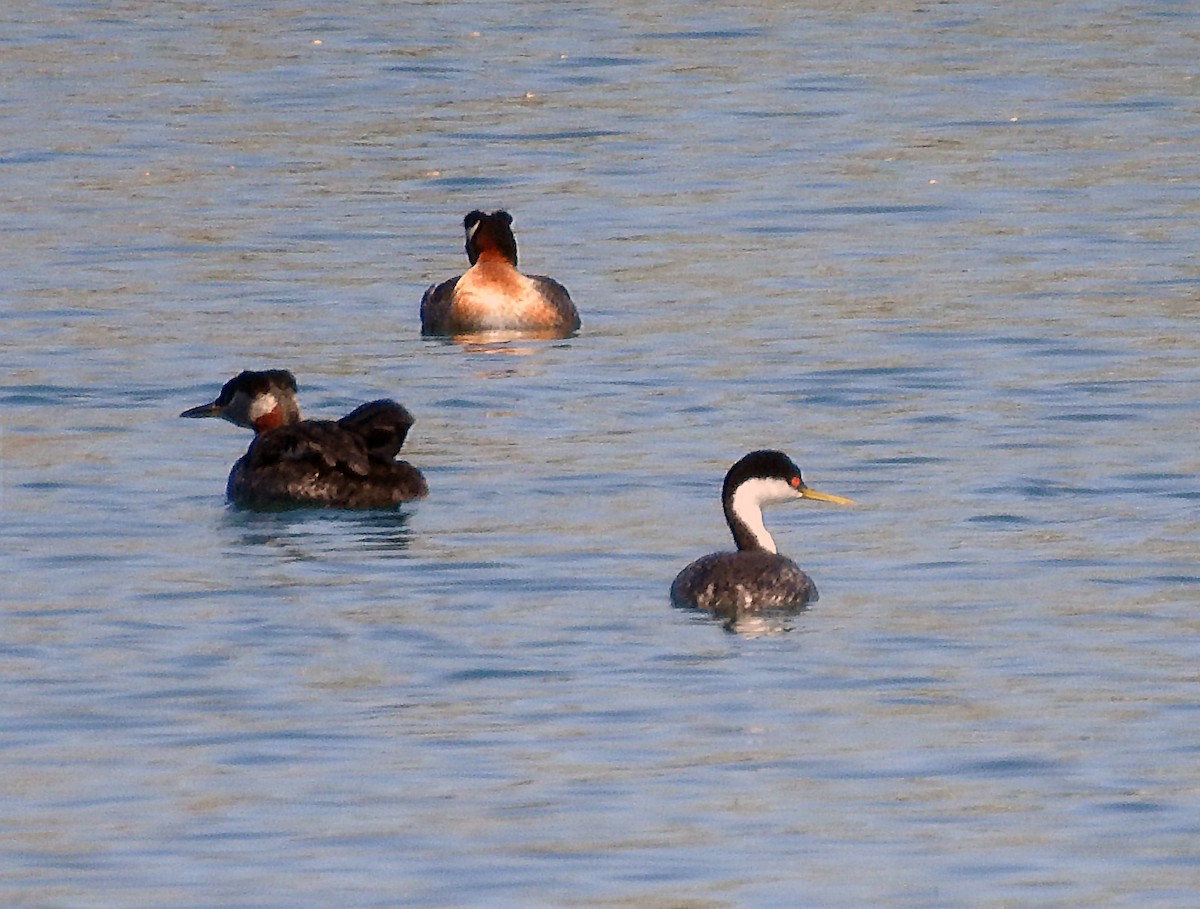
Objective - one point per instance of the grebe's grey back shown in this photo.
(348, 463)
(492, 295)
(755, 578)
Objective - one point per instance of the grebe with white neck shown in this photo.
(755, 578)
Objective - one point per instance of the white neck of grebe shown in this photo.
(744, 511)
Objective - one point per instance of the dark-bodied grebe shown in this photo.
(756, 578)
(350, 463)
(492, 295)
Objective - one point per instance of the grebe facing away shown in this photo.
(756, 578)
(348, 463)
(492, 295)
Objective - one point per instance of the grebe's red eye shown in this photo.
(795, 481)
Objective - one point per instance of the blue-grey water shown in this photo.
(943, 253)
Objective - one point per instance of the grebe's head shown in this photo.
(490, 234)
(257, 400)
(763, 478)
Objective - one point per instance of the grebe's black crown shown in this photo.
(765, 464)
(254, 383)
(474, 217)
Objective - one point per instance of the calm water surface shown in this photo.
(942, 253)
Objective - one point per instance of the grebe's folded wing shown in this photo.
(381, 425)
(436, 304)
(321, 443)
(558, 297)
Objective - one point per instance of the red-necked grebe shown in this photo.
(347, 463)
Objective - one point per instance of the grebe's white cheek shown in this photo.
(472, 229)
(770, 490)
(261, 406)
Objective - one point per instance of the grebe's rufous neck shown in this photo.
(348, 463)
(492, 296)
(755, 578)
